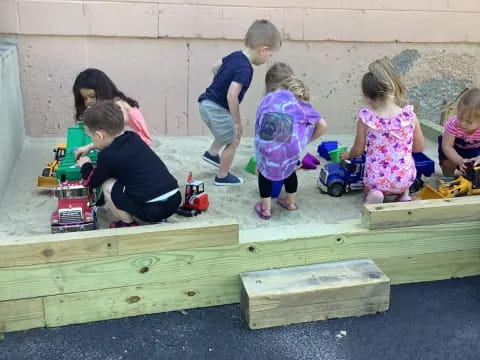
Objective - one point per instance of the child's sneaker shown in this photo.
(121, 224)
(212, 160)
(229, 180)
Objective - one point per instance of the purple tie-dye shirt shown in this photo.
(283, 129)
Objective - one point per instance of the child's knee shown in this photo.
(107, 186)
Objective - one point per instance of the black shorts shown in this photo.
(464, 153)
(148, 212)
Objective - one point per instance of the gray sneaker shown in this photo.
(212, 160)
(229, 180)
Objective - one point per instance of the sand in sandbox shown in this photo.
(25, 211)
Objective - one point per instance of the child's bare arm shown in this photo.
(418, 138)
(234, 106)
(125, 109)
(320, 128)
(359, 144)
(83, 150)
(216, 66)
(448, 141)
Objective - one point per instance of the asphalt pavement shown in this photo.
(436, 320)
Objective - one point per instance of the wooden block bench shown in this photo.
(313, 292)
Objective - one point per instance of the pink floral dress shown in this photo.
(389, 165)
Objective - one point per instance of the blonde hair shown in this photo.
(469, 105)
(263, 33)
(281, 76)
(381, 82)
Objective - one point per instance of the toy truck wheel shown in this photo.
(416, 186)
(336, 189)
(46, 172)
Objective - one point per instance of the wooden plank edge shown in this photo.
(81, 307)
(420, 213)
(42, 249)
(431, 130)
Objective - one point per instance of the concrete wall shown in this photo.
(160, 52)
(11, 113)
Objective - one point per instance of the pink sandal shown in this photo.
(404, 197)
(264, 214)
(374, 197)
(282, 201)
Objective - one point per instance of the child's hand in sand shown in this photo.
(83, 160)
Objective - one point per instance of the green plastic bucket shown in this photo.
(252, 166)
(335, 154)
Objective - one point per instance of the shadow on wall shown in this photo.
(433, 78)
(11, 113)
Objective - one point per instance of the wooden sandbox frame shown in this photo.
(61, 279)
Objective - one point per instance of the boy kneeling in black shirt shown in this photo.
(134, 180)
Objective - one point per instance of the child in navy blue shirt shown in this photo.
(219, 104)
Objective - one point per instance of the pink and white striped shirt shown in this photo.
(462, 139)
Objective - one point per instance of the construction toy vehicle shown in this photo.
(196, 199)
(338, 178)
(75, 210)
(425, 167)
(48, 179)
(460, 186)
(76, 137)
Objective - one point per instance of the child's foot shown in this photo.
(121, 224)
(403, 197)
(263, 213)
(212, 160)
(374, 197)
(229, 180)
(282, 201)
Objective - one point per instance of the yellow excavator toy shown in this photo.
(460, 186)
(48, 180)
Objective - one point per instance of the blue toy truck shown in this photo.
(338, 178)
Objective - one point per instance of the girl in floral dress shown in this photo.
(388, 132)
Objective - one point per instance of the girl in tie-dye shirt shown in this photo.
(388, 132)
(285, 124)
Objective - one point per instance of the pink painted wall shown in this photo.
(160, 52)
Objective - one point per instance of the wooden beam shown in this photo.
(431, 267)
(21, 314)
(155, 298)
(393, 243)
(55, 248)
(138, 300)
(146, 268)
(431, 130)
(314, 292)
(421, 212)
(348, 242)
(180, 236)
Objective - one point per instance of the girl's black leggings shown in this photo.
(265, 185)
